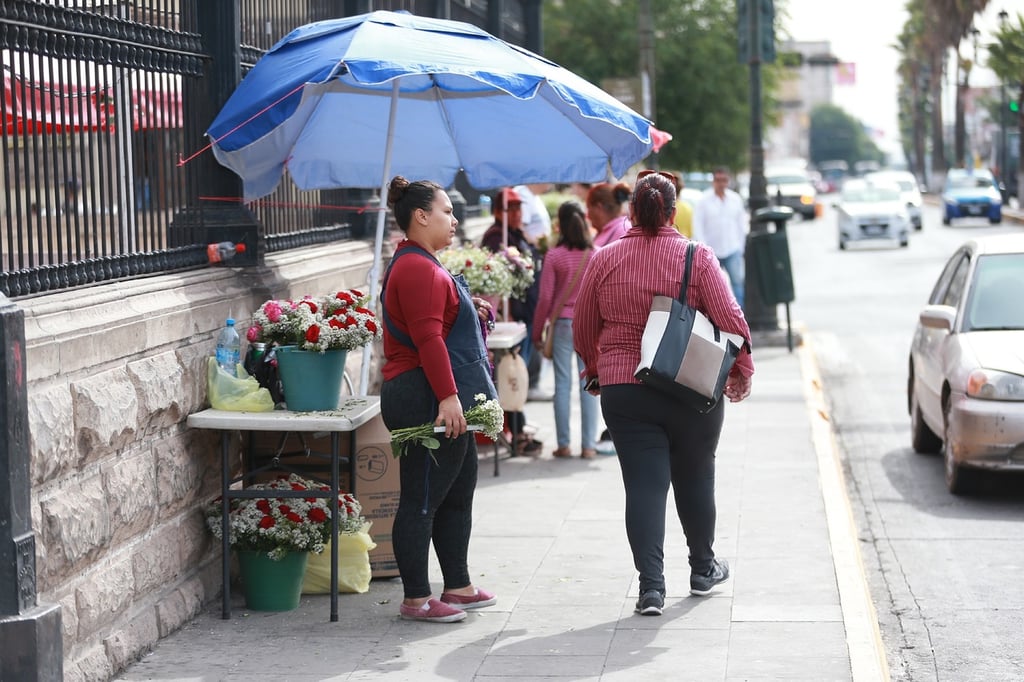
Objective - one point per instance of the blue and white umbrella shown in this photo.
(351, 102)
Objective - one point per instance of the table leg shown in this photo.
(225, 530)
(335, 525)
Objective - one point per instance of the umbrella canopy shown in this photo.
(325, 101)
(351, 102)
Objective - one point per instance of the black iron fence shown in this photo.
(105, 104)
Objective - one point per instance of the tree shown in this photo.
(837, 135)
(1006, 59)
(701, 88)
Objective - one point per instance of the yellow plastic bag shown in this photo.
(240, 393)
(353, 565)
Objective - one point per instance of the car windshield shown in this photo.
(995, 302)
(968, 181)
(870, 194)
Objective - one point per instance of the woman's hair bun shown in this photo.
(397, 189)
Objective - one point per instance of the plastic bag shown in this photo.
(353, 565)
(240, 393)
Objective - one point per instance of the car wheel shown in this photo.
(945, 219)
(904, 243)
(996, 221)
(958, 477)
(922, 438)
(842, 245)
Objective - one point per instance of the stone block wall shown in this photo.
(118, 479)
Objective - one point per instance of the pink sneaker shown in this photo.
(479, 600)
(432, 611)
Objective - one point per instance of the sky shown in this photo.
(863, 32)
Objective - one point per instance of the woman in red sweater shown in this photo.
(435, 366)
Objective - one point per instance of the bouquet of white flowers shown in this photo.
(485, 416)
(486, 273)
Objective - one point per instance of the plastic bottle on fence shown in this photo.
(222, 251)
(229, 347)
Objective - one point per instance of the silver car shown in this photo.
(965, 388)
(869, 210)
(909, 190)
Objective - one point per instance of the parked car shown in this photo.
(965, 387)
(792, 187)
(971, 192)
(833, 174)
(869, 210)
(909, 190)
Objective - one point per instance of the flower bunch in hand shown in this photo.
(485, 416)
(338, 321)
(278, 525)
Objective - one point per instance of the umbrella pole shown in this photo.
(378, 240)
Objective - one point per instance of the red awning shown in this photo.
(33, 108)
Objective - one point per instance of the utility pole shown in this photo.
(645, 25)
(756, 44)
(1004, 157)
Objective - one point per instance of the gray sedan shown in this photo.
(965, 389)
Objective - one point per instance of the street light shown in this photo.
(1003, 156)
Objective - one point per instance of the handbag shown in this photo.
(547, 334)
(683, 353)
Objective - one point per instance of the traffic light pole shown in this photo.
(759, 316)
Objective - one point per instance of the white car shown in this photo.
(871, 211)
(965, 387)
(909, 189)
(792, 187)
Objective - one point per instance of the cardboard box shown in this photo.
(377, 480)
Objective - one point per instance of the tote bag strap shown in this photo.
(687, 266)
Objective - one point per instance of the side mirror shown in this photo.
(938, 317)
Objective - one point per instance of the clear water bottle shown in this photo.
(229, 347)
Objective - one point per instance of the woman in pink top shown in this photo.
(605, 204)
(559, 283)
(658, 440)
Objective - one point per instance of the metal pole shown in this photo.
(1004, 157)
(759, 316)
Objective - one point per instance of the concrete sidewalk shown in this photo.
(549, 541)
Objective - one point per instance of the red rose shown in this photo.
(293, 517)
(469, 263)
(313, 333)
(263, 506)
(284, 509)
(267, 522)
(336, 323)
(364, 311)
(371, 327)
(317, 515)
(309, 304)
(350, 321)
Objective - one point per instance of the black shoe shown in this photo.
(701, 585)
(650, 603)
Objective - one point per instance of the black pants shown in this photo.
(658, 442)
(436, 499)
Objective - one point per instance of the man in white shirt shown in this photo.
(536, 221)
(720, 221)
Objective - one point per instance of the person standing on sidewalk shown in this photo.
(563, 269)
(435, 364)
(659, 441)
(606, 210)
(720, 221)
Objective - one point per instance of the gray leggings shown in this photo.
(658, 442)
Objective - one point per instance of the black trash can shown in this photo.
(771, 255)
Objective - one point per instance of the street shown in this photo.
(944, 571)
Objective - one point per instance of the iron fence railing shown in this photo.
(97, 122)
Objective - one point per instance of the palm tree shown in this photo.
(1006, 59)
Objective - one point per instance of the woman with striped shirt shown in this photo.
(659, 441)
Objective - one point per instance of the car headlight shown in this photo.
(991, 384)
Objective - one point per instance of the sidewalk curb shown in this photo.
(863, 637)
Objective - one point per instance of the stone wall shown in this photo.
(118, 479)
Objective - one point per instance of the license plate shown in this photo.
(874, 229)
(975, 209)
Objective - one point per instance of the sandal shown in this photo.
(562, 452)
(588, 453)
(524, 445)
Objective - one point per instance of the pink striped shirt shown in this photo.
(615, 297)
(613, 230)
(560, 266)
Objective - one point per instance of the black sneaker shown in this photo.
(701, 585)
(650, 603)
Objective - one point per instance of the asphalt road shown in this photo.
(945, 572)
